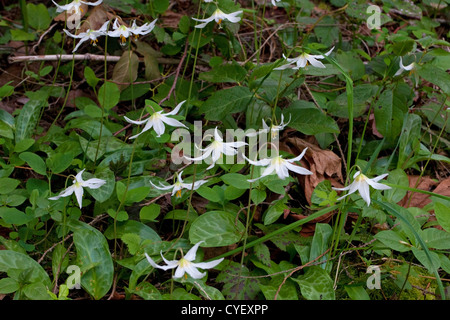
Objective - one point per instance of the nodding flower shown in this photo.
(75, 6)
(219, 16)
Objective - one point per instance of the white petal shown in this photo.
(301, 62)
(315, 62)
(177, 108)
(282, 172)
(67, 192)
(299, 157)
(262, 162)
(162, 187)
(172, 122)
(79, 195)
(136, 122)
(298, 169)
(154, 265)
(376, 179)
(93, 183)
(208, 265)
(79, 176)
(193, 272)
(190, 255)
(377, 186)
(179, 273)
(159, 127)
(364, 192)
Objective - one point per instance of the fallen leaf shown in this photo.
(324, 164)
(97, 17)
(418, 199)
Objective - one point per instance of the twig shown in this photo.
(87, 56)
(100, 217)
(299, 268)
(33, 49)
(177, 74)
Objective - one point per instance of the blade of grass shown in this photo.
(392, 210)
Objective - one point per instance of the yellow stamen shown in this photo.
(220, 21)
(123, 38)
(178, 194)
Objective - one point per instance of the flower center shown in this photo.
(156, 116)
(361, 177)
(77, 184)
(183, 263)
(277, 161)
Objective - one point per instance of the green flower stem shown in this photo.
(279, 231)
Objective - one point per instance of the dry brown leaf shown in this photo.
(170, 19)
(97, 17)
(66, 15)
(324, 164)
(417, 199)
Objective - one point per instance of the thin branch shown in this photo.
(87, 56)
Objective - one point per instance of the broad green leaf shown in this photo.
(436, 239)
(275, 210)
(8, 185)
(436, 76)
(402, 47)
(287, 292)
(398, 177)
(216, 228)
(236, 180)
(150, 213)
(27, 120)
(224, 73)
(35, 162)
(442, 215)
(125, 71)
(132, 226)
(208, 193)
(408, 141)
(316, 284)
(90, 77)
(10, 260)
(393, 240)
(357, 292)
(38, 16)
(21, 35)
(425, 261)
(58, 162)
(308, 119)
(319, 243)
(23, 145)
(132, 195)
(147, 291)
(108, 95)
(225, 102)
(8, 285)
(104, 192)
(94, 259)
(14, 216)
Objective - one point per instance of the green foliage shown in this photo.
(296, 238)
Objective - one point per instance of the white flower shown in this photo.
(185, 264)
(177, 186)
(157, 120)
(125, 32)
(280, 166)
(302, 60)
(89, 35)
(75, 5)
(217, 148)
(361, 183)
(409, 67)
(273, 129)
(219, 16)
(77, 187)
(273, 2)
